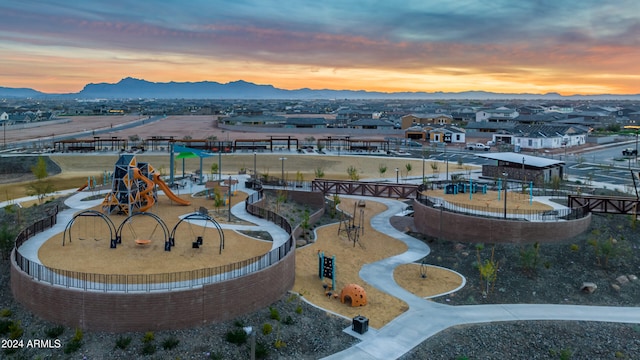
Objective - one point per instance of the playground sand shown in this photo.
(89, 249)
(515, 200)
(349, 259)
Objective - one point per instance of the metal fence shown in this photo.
(510, 214)
(151, 282)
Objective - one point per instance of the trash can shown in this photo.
(360, 324)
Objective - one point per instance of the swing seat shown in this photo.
(143, 241)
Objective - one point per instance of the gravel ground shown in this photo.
(554, 276)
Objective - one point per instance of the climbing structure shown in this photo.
(132, 188)
(354, 294)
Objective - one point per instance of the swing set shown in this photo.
(142, 240)
(201, 215)
(95, 215)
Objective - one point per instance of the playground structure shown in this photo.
(327, 269)
(134, 187)
(352, 226)
(353, 294)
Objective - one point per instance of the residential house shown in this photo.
(371, 124)
(539, 118)
(416, 132)
(598, 118)
(410, 120)
(300, 122)
(530, 110)
(488, 127)
(536, 137)
(447, 134)
(255, 120)
(501, 114)
(564, 108)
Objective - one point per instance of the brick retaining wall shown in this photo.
(153, 311)
(465, 228)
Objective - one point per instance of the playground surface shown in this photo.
(372, 246)
(89, 249)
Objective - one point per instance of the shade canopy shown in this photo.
(186, 155)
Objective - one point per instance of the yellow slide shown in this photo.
(147, 193)
(163, 186)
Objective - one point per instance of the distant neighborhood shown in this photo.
(512, 125)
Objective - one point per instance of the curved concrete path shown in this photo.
(426, 318)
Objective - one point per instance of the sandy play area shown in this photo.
(89, 249)
(372, 246)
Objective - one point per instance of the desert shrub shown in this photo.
(4, 326)
(288, 320)
(267, 329)
(170, 343)
(148, 337)
(149, 348)
(123, 342)
(262, 351)
(15, 330)
(237, 336)
(54, 332)
(274, 314)
(75, 344)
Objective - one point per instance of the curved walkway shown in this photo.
(426, 318)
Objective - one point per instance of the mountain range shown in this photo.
(131, 88)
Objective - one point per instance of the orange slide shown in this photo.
(163, 186)
(147, 193)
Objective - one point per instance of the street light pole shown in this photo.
(423, 167)
(446, 160)
(255, 174)
(637, 144)
(229, 184)
(282, 175)
(505, 193)
(397, 179)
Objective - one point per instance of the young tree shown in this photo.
(319, 172)
(7, 238)
(409, 168)
(214, 169)
(488, 270)
(40, 187)
(353, 173)
(382, 168)
(434, 167)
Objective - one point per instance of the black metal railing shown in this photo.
(499, 212)
(152, 282)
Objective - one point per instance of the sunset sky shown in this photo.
(534, 46)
